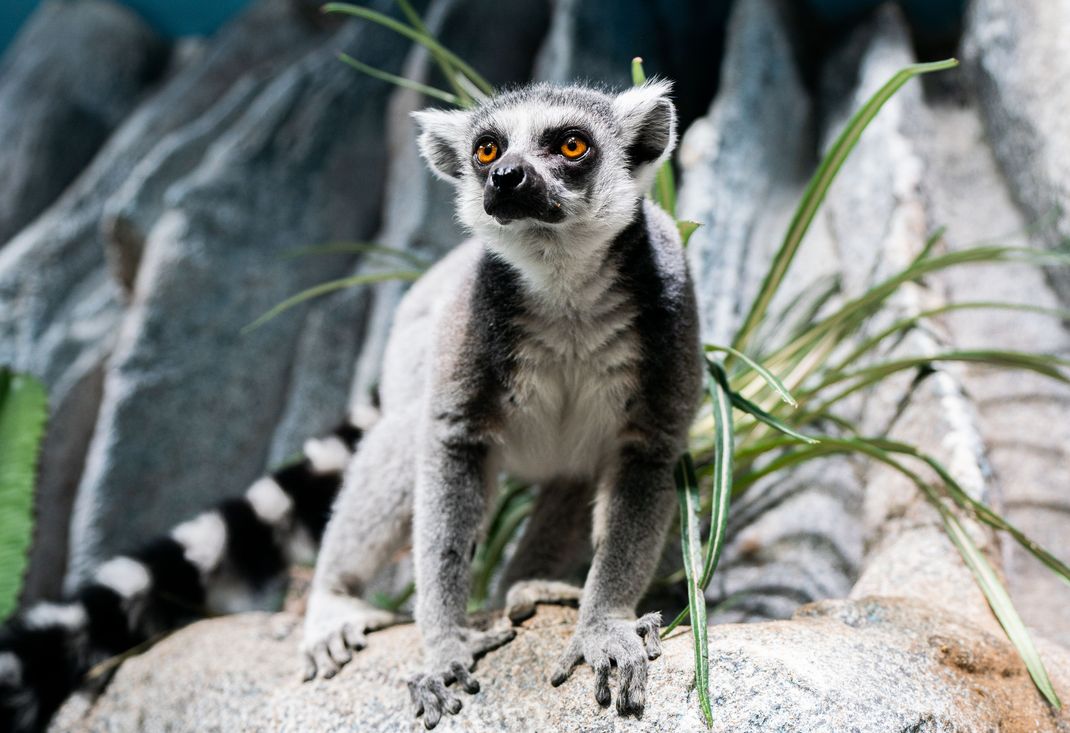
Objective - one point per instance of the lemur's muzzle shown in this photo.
(515, 191)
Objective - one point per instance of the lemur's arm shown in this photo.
(632, 514)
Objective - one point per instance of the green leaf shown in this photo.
(400, 81)
(686, 229)
(464, 98)
(764, 373)
(334, 248)
(691, 546)
(23, 412)
(742, 403)
(423, 38)
(330, 287)
(1002, 606)
(665, 183)
(818, 187)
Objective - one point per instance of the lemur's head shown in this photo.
(551, 166)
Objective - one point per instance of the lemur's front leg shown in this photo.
(631, 518)
(451, 498)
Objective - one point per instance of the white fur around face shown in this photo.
(49, 615)
(327, 455)
(125, 576)
(204, 539)
(269, 501)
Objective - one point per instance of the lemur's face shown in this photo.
(551, 167)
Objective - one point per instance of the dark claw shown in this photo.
(464, 678)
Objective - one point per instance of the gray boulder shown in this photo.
(71, 76)
(1019, 61)
(59, 307)
(183, 373)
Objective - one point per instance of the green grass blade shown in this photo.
(686, 229)
(665, 183)
(330, 287)
(764, 373)
(691, 546)
(721, 495)
(334, 248)
(905, 324)
(23, 412)
(464, 99)
(400, 81)
(424, 39)
(818, 187)
(742, 403)
(1002, 606)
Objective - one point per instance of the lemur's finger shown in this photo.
(648, 628)
(416, 696)
(324, 664)
(601, 680)
(631, 689)
(490, 640)
(336, 647)
(354, 637)
(568, 662)
(464, 678)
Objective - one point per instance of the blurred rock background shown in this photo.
(154, 187)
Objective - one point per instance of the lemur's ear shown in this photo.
(648, 122)
(442, 140)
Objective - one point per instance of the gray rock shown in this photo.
(71, 76)
(1019, 61)
(59, 307)
(872, 665)
(183, 373)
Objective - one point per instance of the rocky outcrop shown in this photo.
(1016, 51)
(73, 75)
(183, 372)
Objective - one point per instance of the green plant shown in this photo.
(784, 421)
(23, 411)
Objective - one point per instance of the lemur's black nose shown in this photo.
(507, 178)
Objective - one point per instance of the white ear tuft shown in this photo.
(442, 140)
(648, 122)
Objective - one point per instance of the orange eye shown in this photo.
(574, 147)
(487, 152)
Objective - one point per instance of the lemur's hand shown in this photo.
(452, 660)
(335, 627)
(605, 641)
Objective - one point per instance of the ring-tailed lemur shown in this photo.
(229, 559)
(559, 346)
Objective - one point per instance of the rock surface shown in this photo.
(73, 74)
(871, 665)
(183, 373)
(1017, 53)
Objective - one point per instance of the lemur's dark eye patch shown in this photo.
(487, 150)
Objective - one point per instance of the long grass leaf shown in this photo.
(665, 182)
(424, 39)
(742, 403)
(1002, 606)
(333, 248)
(330, 287)
(818, 187)
(691, 546)
(464, 99)
(764, 373)
(400, 81)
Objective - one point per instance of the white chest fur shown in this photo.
(575, 373)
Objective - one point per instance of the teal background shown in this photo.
(171, 17)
